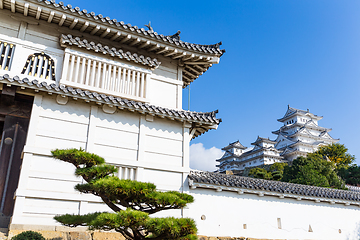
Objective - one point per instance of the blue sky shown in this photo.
(303, 53)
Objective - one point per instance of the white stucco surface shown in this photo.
(147, 150)
(226, 213)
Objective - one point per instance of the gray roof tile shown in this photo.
(272, 186)
(213, 49)
(83, 43)
(207, 119)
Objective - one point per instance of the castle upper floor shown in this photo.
(294, 115)
(58, 44)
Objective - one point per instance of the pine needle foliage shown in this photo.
(131, 201)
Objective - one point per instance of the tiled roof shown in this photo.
(201, 122)
(289, 150)
(292, 111)
(89, 45)
(236, 144)
(304, 131)
(301, 125)
(195, 59)
(100, 19)
(261, 139)
(267, 186)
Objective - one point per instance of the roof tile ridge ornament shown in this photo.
(151, 30)
(212, 113)
(175, 36)
(216, 45)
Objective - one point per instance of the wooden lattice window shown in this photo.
(6, 55)
(40, 65)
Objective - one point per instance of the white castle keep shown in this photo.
(299, 135)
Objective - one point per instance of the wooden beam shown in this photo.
(189, 57)
(97, 28)
(200, 68)
(105, 33)
(147, 43)
(38, 13)
(194, 70)
(157, 46)
(12, 6)
(198, 58)
(163, 50)
(186, 78)
(51, 16)
(118, 34)
(26, 8)
(84, 27)
(174, 51)
(179, 56)
(62, 20)
(73, 24)
(125, 39)
(136, 41)
(1, 4)
(189, 73)
(197, 63)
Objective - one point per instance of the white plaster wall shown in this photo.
(8, 26)
(154, 150)
(227, 212)
(29, 38)
(162, 93)
(164, 87)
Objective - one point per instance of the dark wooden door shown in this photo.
(11, 147)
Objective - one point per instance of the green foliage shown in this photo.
(351, 175)
(276, 175)
(170, 228)
(278, 167)
(336, 153)
(78, 157)
(260, 173)
(28, 235)
(313, 170)
(138, 198)
(274, 172)
(74, 220)
(321, 168)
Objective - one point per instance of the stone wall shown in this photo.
(64, 233)
(230, 238)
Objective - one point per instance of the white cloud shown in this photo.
(202, 158)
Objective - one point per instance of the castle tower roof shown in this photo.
(195, 58)
(291, 112)
(236, 144)
(260, 139)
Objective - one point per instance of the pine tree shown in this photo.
(131, 202)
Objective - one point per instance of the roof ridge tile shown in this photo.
(273, 186)
(207, 119)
